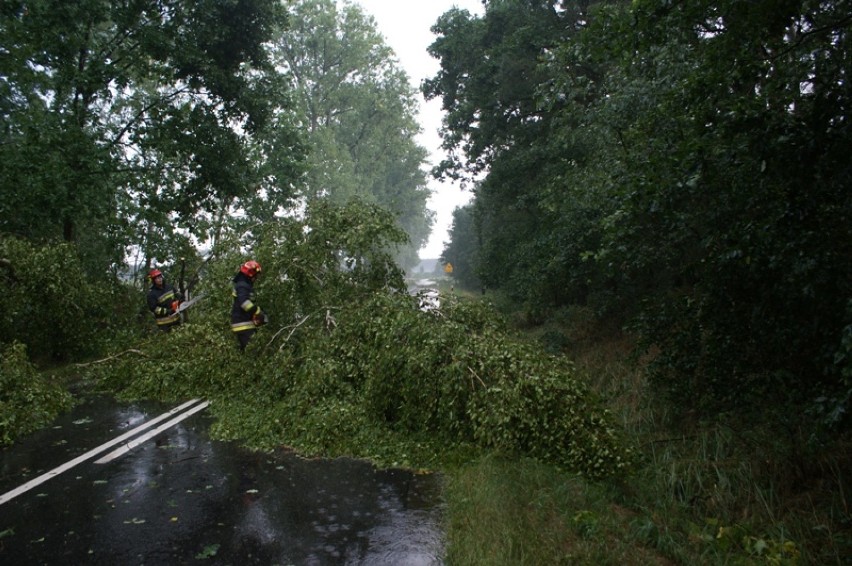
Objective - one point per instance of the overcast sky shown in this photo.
(405, 25)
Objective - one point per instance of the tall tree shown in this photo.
(360, 113)
(462, 251)
(735, 195)
(689, 165)
(493, 69)
(114, 108)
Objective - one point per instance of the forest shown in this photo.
(649, 328)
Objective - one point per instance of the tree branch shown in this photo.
(131, 350)
(144, 111)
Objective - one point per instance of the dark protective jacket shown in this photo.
(244, 308)
(160, 301)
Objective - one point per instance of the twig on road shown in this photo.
(131, 350)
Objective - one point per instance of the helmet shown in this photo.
(250, 268)
(154, 273)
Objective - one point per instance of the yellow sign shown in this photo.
(448, 268)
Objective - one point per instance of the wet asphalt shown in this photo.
(182, 498)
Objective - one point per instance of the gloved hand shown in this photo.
(175, 305)
(259, 319)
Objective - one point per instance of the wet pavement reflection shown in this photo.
(182, 498)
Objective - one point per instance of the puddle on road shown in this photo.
(181, 498)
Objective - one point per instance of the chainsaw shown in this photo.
(186, 304)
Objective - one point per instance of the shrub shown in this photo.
(47, 303)
(28, 400)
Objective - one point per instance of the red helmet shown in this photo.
(154, 273)
(250, 269)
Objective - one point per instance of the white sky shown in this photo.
(405, 25)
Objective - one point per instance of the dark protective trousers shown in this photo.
(244, 337)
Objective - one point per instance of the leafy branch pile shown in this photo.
(46, 302)
(350, 365)
(28, 400)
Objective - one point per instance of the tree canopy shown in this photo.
(680, 165)
(149, 130)
(132, 119)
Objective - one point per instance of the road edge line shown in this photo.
(150, 434)
(9, 495)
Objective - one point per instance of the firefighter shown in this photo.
(163, 300)
(246, 315)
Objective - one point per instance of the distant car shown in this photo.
(428, 300)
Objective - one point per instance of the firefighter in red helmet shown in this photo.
(246, 315)
(163, 301)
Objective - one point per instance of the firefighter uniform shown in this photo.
(162, 301)
(246, 315)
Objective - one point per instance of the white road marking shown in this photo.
(147, 436)
(9, 495)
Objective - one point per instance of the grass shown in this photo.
(726, 491)
(518, 511)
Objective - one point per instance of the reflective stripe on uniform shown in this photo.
(242, 326)
(164, 309)
(168, 319)
(166, 297)
(247, 305)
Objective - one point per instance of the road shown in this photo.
(182, 498)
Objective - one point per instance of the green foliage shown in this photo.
(503, 511)
(383, 365)
(316, 264)
(190, 361)
(735, 541)
(456, 378)
(678, 164)
(28, 400)
(725, 491)
(48, 303)
(728, 494)
(462, 251)
(350, 365)
(702, 492)
(534, 405)
(136, 124)
(730, 200)
(534, 212)
(407, 366)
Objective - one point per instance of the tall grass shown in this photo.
(509, 511)
(730, 489)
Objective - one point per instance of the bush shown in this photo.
(47, 303)
(28, 400)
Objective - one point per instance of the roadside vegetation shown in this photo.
(733, 490)
(353, 367)
(29, 400)
(739, 489)
(551, 444)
